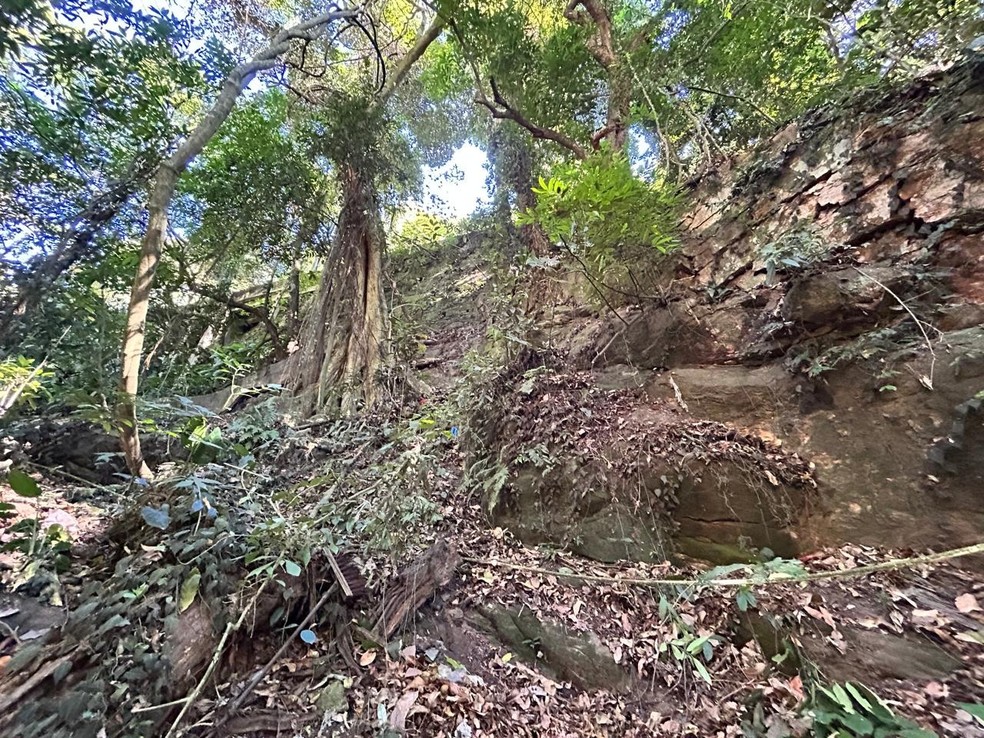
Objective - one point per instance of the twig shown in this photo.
(678, 395)
(339, 577)
(11, 631)
(229, 630)
(258, 676)
(151, 708)
(927, 382)
(587, 273)
(855, 571)
(68, 475)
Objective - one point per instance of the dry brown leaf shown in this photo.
(795, 686)
(398, 718)
(966, 603)
(367, 658)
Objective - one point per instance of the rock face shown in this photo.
(826, 301)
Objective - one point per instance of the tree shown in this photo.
(342, 346)
(85, 119)
(162, 191)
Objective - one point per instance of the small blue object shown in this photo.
(308, 636)
(454, 431)
(197, 504)
(212, 512)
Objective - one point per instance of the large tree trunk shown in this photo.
(342, 343)
(341, 353)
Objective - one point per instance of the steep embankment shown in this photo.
(824, 310)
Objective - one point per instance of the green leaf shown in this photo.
(745, 599)
(702, 671)
(156, 517)
(697, 644)
(189, 589)
(843, 698)
(824, 717)
(23, 484)
(858, 724)
(875, 706)
(293, 569)
(858, 697)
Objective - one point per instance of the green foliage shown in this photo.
(854, 710)
(690, 650)
(46, 548)
(252, 191)
(420, 230)
(21, 381)
(23, 484)
(538, 59)
(354, 135)
(873, 347)
(78, 108)
(598, 205)
(76, 329)
(795, 250)
(896, 39)
(204, 370)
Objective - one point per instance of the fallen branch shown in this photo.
(855, 571)
(216, 657)
(258, 676)
(414, 586)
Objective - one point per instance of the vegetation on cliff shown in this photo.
(676, 429)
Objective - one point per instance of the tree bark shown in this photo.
(162, 191)
(294, 295)
(602, 47)
(342, 347)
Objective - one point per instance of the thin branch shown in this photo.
(745, 100)
(411, 58)
(854, 571)
(258, 677)
(502, 110)
(927, 382)
(228, 300)
(216, 656)
(587, 273)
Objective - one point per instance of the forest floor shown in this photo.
(686, 659)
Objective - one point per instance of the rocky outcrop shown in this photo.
(826, 300)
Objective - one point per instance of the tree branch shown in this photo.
(425, 40)
(161, 194)
(730, 96)
(502, 110)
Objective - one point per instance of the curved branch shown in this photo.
(425, 40)
(502, 110)
(161, 194)
(260, 314)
